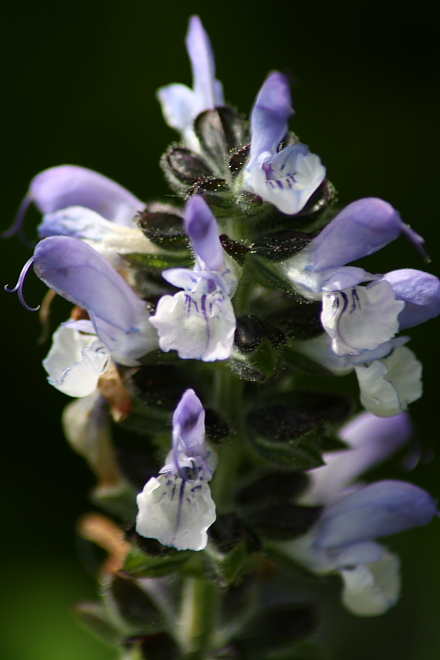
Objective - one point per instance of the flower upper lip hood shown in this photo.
(77, 272)
(285, 178)
(360, 229)
(180, 104)
(70, 185)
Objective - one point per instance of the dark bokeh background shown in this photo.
(78, 83)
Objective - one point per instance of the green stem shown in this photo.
(199, 608)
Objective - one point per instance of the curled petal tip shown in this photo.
(18, 288)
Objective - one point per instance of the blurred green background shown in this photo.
(78, 87)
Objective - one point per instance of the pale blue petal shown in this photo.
(75, 362)
(366, 552)
(70, 185)
(76, 221)
(175, 512)
(380, 509)
(288, 192)
(360, 229)
(421, 293)
(269, 117)
(178, 104)
(183, 278)
(201, 227)
(372, 440)
(202, 63)
(371, 590)
(197, 325)
(360, 319)
(389, 385)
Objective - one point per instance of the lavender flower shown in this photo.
(117, 316)
(81, 203)
(176, 508)
(354, 515)
(360, 229)
(285, 178)
(180, 104)
(199, 322)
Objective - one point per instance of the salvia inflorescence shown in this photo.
(191, 325)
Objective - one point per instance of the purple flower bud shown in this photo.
(189, 423)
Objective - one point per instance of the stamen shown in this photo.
(18, 288)
(17, 226)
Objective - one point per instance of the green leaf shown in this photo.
(219, 130)
(257, 365)
(227, 568)
(228, 554)
(298, 321)
(159, 261)
(238, 160)
(276, 629)
(305, 650)
(291, 429)
(119, 501)
(139, 564)
(98, 620)
(217, 195)
(165, 230)
(278, 486)
(283, 522)
(182, 167)
(281, 245)
(135, 605)
(159, 646)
